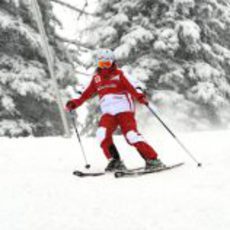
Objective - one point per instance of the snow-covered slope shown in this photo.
(38, 191)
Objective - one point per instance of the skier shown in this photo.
(117, 96)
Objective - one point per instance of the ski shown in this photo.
(88, 174)
(133, 173)
(127, 173)
(95, 174)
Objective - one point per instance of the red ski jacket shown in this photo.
(109, 81)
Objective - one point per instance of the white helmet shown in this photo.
(105, 58)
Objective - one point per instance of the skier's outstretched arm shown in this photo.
(138, 96)
(74, 103)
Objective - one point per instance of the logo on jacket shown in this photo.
(109, 86)
(116, 78)
(97, 79)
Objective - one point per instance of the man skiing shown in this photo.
(117, 96)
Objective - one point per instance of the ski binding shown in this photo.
(133, 173)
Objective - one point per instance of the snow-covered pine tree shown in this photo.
(27, 102)
(179, 48)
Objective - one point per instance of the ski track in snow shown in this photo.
(38, 191)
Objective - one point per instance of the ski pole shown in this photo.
(72, 116)
(174, 136)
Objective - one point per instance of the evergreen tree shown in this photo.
(27, 102)
(179, 48)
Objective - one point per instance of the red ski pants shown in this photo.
(109, 123)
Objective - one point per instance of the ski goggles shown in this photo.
(104, 64)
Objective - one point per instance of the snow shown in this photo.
(189, 32)
(138, 34)
(122, 51)
(167, 41)
(174, 79)
(207, 92)
(188, 2)
(7, 21)
(15, 128)
(38, 190)
(141, 74)
(120, 19)
(222, 50)
(8, 103)
(189, 29)
(108, 34)
(204, 71)
(130, 40)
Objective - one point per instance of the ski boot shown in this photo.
(152, 164)
(115, 165)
